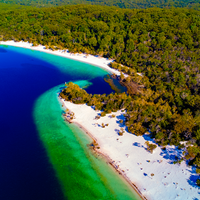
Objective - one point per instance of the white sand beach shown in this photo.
(90, 59)
(154, 174)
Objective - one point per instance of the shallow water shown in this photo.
(82, 175)
(42, 157)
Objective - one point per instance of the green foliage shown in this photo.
(121, 132)
(74, 93)
(198, 182)
(197, 161)
(107, 103)
(150, 147)
(192, 152)
(121, 121)
(103, 114)
(112, 116)
(160, 55)
(178, 161)
(118, 3)
(198, 170)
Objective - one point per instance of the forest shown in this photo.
(158, 48)
(118, 3)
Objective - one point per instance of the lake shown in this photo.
(41, 156)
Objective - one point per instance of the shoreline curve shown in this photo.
(107, 158)
(86, 58)
(156, 177)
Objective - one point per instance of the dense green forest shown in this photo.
(117, 3)
(6, 7)
(162, 45)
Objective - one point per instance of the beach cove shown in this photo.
(155, 175)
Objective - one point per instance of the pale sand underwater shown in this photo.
(155, 175)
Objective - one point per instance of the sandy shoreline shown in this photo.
(155, 175)
(107, 159)
(90, 59)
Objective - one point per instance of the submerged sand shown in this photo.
(155, 175)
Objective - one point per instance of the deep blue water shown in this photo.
(25, 171)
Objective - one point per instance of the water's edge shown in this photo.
(41, 154)
(63, 140)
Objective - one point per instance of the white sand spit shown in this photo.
(155, 175)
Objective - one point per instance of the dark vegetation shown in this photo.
(150, 147)
(6, 7)
(118, 3)
(162, 45)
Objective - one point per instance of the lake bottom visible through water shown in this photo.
(43, 157)
(83, 175)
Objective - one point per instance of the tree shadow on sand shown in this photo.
(172, 154)
(119, 119)
(193, 177)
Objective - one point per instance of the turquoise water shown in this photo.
(42, 157)
(74, 69)
(82, 175)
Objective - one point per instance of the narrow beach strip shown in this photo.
(90, 59)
